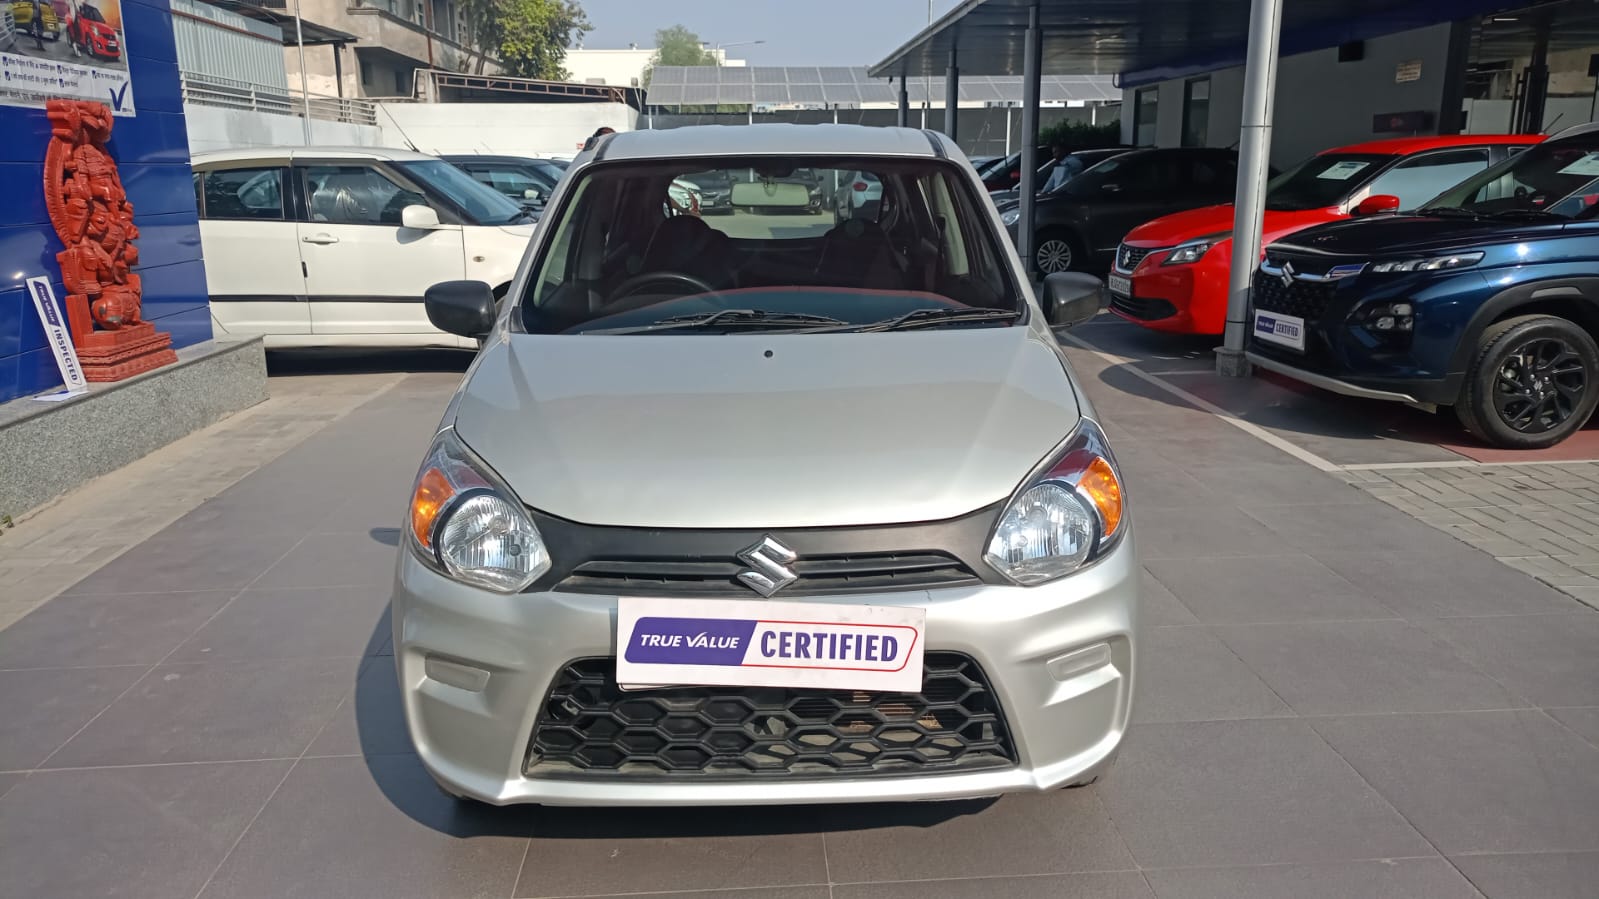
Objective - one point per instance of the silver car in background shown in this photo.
(766, 508)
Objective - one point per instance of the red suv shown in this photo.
(1171, 274)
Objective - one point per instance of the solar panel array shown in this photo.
(828, 86)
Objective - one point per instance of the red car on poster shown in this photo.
(92, 34)
(1171, 274)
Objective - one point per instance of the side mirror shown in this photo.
(1071, 298)
(419, 218)
(1377, 204)
(462, 308)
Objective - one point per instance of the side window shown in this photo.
(199, 194)
(1146, 108)
(1415, 181)
(248, 194)
(356, 195)
(1148, 176)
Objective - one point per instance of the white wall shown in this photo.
(1321, 102)
(550, 129)
(213, 128)
(1493, 116)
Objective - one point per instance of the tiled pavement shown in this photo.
(1335, 700)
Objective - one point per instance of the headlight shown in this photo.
(465, 523)
(1194, 250)
(1010, 217)
(1064, 518)
(1432, 264)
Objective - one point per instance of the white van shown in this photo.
(320, 246)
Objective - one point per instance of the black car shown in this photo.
(715, 190)
(525, 180)
(1079, 226)
(1486, 299)
(1081, 160)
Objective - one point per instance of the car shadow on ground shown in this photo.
(288, 363)
(399, 775)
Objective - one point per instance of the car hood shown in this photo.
(1171, 230)
(1391, 235)
(766, 431)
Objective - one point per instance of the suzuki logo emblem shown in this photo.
(1287, 275)
(768, 563)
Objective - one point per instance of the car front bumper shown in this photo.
(475, 666)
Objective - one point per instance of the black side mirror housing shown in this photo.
(462, 308)
(1071, 298)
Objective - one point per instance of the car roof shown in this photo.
(288, 154)
(768, 140)
(489, 157)
(1404, 146)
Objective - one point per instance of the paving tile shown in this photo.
(1407, 878)
(214, 712)
(1469, 584)
(1583, 721)
(220, 560)
(1545, 875)
(7, 781)
(1157, 607)
(1154, 483)
(323, 622)
(128, 832)
(1203, 531)
(597, 851)
(1358, 667)
(1549, 659)
(334, 560)
(1342, 528)
(1291, 483)
(106, 629)
(372, 827)
(1187, 674)
(818, 891)
(370, 721)
(43, 708)
(1120, 885)
(1062, 832)
(1290, 587)
(1479, 782)
(1220, 793)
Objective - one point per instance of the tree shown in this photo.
(529, 37)
(677, 46)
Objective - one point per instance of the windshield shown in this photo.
(1556, 178)
(90, 13)
(629, 251)
(482, 205)
(1322, 181)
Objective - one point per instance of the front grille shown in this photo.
(1127, 258)
(835, 574)
(1306, 299)
(1142, 308)
(588, 727)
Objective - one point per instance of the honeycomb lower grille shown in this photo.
(1143, 308)
(589, 727)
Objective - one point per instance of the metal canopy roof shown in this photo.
(1153, 38)
(829, 86)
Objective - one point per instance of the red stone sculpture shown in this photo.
(94, 220)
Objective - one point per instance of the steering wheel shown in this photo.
(631, 285)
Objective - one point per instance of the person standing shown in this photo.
(37, 26)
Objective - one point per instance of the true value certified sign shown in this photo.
(741, 643)
(57, 336)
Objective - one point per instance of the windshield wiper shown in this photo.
(728, 318)
(918, 318)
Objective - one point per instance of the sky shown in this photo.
(796, 32)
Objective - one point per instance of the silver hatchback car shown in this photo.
(782, 506)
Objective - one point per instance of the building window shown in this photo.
(1144, 116)
(1196, 112)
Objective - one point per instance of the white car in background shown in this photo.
(859, 193)
(323, 246)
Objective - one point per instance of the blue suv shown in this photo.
(1486, 299)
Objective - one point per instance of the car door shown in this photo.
(253, 269)
(365, 272)
(1142, 188)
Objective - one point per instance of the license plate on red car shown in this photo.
(1121, 285)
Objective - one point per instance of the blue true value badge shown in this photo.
(769, 644)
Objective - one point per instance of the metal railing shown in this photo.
(211, 90)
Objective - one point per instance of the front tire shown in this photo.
(1057, 251)
(1533, 382)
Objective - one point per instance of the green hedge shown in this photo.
(1081, 135)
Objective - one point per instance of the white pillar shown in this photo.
(1254, 158)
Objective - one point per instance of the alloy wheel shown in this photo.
(1540, 385)
(1054, 255)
